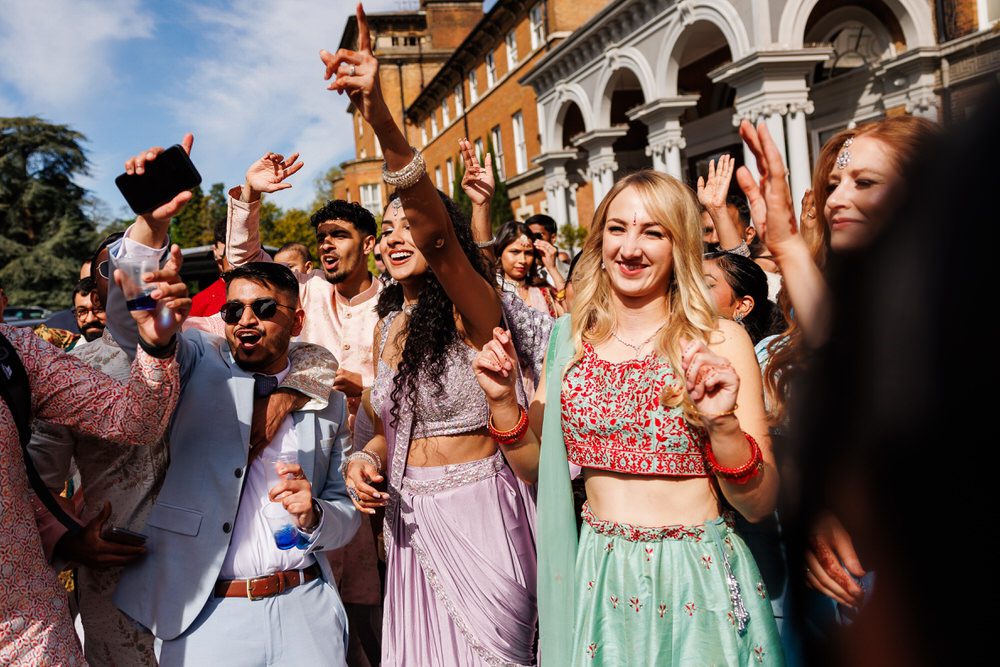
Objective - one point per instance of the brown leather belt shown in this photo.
(267, 586)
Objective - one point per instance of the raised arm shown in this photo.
(356, 73)
(774, 217)
(478, 185)
(712, 194)
(265, 175)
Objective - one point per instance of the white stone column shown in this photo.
(666, 137)
(674, 148)
(658, 154)
(556, 181)
(560, 196)
(601, 163)
(799, 173)
(772, 115)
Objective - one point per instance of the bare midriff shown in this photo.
(650, 501)
(442, 450)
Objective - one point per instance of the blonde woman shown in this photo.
(660, 403)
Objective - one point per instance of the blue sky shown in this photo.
(243, 75)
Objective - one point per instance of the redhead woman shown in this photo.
(459, 526)
(659, 401)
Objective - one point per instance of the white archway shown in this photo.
(914, 18)
(615, 61)
(720, 14)
(566, 95)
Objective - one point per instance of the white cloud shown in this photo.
(259, 86)
(58, 52)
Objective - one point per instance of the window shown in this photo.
(989, 11)
(520, 147)
(423, 135)
(371, 198)
(434, 125)
(437, 178)
(479, 150)
(511, 41)
(459, 107)
(473, 87)
(491, 70)
(537, 21)
(497, 139)
(445, 114)
(450, 167)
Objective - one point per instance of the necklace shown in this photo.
(637, 348)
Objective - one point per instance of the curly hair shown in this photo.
(352, 212)
(430, 331)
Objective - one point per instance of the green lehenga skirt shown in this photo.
(661, 596)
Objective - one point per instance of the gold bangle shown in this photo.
(561, 294)
(721, 414)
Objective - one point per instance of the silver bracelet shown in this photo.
(408, 176)
(743, 250)
(366, 455)
(486, 244)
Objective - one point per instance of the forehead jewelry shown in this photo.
(844, 157)
(397, 204)
(524, 240)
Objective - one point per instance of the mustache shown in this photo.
(92, 325)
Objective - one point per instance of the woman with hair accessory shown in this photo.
(460, 583)
(517, 268)
(659, 401)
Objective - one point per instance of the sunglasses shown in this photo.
(102, 269)
(264, 308)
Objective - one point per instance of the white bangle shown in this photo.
(486, 244)
(409, 175)
(743, 250)
(366, 455)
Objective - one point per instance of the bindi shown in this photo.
(844, 157)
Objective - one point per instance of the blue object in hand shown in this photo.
(286, 537)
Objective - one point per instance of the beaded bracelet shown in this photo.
(409, 175)
(743, 473)
(511, 436)
(721, 414)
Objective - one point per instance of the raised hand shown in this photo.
(549, 253)
(712, 192)
(496, 367)
(477, 182)
(770, 200)
(358, 477)
(137, 165)
(158, 326)
(268, 174)
(711, 381)
(356, 73)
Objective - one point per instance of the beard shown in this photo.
(338, 277)
(92, 332)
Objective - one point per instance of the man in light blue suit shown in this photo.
(214, 586)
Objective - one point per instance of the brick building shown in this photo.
(411, 46)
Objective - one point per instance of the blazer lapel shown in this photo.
(241, 387)
(305, 433)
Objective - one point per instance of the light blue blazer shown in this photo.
(191, 522)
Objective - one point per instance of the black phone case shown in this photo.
(171, 173)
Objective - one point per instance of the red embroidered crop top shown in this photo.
(612, 419)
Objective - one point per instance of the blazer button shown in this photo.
(226, 527)
(238, 472)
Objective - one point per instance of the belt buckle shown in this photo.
(250, 595)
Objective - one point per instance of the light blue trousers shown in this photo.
(304, 626)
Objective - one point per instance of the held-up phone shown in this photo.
(171, 173)
(123, 536)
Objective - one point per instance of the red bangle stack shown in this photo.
(745, 472)
(514, 434)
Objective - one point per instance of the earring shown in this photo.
(738, 318)
(602, 265)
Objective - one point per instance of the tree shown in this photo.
(292, 226)
(44, 233)
(195, 225)
(324, 187)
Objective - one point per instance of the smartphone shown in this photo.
(123, 536)
(171, 173)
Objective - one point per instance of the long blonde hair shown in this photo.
(690, 308)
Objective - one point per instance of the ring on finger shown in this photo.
(353, 493)
(353, 70)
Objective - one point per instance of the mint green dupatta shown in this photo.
(556, 525)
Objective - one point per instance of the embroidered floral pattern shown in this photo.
(599, 403)
(614, 601)
(706, 562)
(690, 608)
(640, 533)
(635, 604)
(759, 653)
(590, 586)
(649, 554)
(592, 650)
(761, 590)
(662, 609)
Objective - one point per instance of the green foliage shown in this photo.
(195, 225)
(461, 199)
(291, 226)
(324, 187)
(44, 232)
(571, 237)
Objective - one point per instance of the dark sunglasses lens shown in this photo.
(102, 269)
(264, 308)
(231, 312)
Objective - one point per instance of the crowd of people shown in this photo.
(491, 453)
